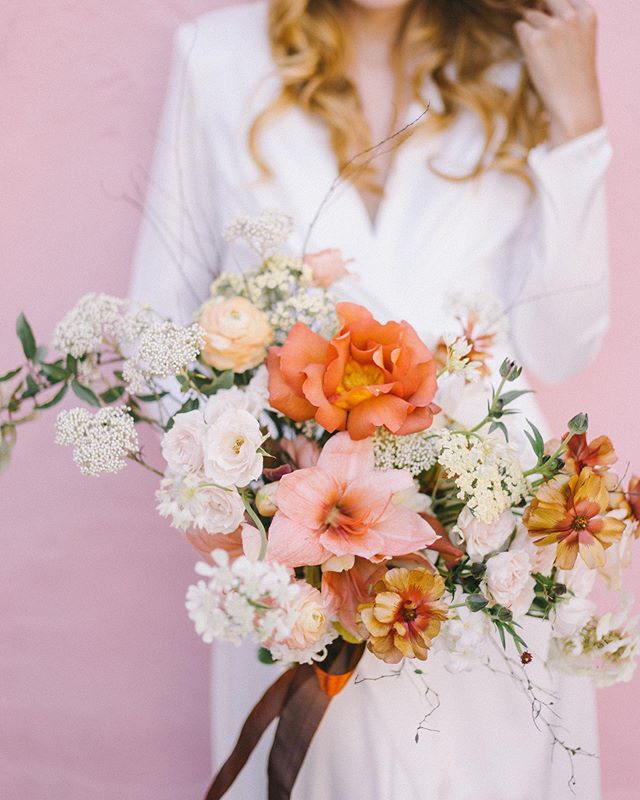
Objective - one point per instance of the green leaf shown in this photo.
(11, 374)
(151, 398)
(41, 354)
(265, 657)
(72, 365)
(537, 442)
(495, 425)
(509, 397)
(85, 394)
(55, 399)
(27, 339)
(501, 632)
(54, 372)
(476, 602)
(32, 388)
(112, 394)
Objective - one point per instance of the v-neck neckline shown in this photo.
(374, 223)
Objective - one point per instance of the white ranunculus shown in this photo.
(231, 455)
(570, 615)
(481, 538)
(232, 399)
(217, 510)
(508, 581)
(183, 445)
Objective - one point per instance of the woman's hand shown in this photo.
(560, 51)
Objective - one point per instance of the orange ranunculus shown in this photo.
(572, 515)
(597, 454)
(405, 615)
(368, 375)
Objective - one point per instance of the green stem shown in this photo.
(492, 407)
(254, 516)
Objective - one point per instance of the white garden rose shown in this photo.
(310, 618)
(217, 510)
(508, 581)
(481, 538)
(183, 445)
(570, 615)
(231, 455)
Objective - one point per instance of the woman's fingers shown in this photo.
(560, 8)
(537, 19)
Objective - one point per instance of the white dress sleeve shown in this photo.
(178, 250)
(558, 263)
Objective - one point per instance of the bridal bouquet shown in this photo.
(345, 485)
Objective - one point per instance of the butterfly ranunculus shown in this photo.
(572, 515)
(369, 375)
(405, 615)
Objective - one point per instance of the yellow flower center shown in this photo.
(580, 523)
(237, 445)
(408, 611)
(353, 387)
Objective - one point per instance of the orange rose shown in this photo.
(238, 334)
(368, 375)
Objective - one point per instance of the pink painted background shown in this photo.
(103, 684)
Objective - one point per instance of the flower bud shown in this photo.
(579, 423)
(476, 602)
(266, 500)
(510, 370)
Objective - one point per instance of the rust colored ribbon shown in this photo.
(300, 697)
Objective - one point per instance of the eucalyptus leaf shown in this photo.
(112, 394)
(55, 399)
(85, 394)
(54, 372)
(27, 339)
(11, 374)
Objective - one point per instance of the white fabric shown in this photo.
(545, 255)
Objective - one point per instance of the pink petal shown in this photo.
(368, 496)
(294, 545)
(403, 531)
(367, 544)
(346, 459)
(307, 496)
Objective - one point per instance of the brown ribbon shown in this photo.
(300, 697)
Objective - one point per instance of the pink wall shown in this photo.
(103, 684)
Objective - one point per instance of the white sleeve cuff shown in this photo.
(581, 161)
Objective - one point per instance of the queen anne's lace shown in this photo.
(101, 441)
(415, 452)
(265, 234)
(485, 470)
(97, 319)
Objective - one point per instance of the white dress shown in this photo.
(545, 256)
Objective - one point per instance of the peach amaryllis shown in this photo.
(342, 508)
(405, 614)
(369, 375)
(573, 516)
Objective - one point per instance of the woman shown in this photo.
(498, 188)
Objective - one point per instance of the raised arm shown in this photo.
(558, 263)
(178, 249)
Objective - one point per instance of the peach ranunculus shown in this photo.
(327, 267)
(573, 516)
(343, 507)
(369, 375)
(405, 615)
(237, 334)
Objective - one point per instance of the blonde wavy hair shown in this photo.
(458, 42)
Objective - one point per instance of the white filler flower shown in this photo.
(101, 441)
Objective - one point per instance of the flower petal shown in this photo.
(293, 544)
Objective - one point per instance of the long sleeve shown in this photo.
(558, 263)
(178, 250)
